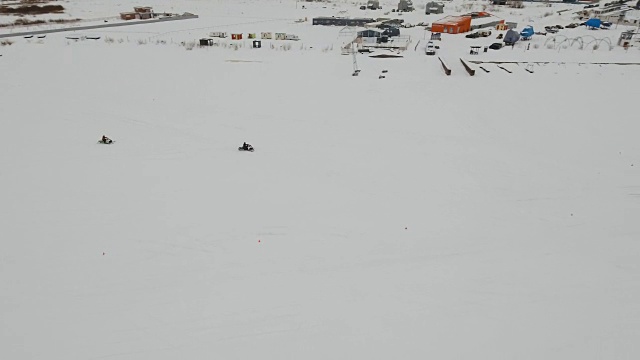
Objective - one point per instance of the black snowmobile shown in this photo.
(105, 140)
(246, 147)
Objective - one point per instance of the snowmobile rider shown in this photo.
(245, 146)
(106, 140)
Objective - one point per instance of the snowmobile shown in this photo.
(105, 140)
(246, 147)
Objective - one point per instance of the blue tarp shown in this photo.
(527, 32)
(593, 23)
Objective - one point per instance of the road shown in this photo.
(100, 26)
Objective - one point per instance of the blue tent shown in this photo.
(527, 32)
(593, 23)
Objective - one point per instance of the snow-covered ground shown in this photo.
(416, 216)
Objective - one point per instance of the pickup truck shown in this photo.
(430, 49)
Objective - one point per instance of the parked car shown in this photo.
(363, 7)
(500, 36)
(472, 35)
(484, 32)
(572, 26)
(560, 27)
(551, 30)
(495, 46)
(430, 49)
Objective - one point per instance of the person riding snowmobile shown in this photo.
(106, 140)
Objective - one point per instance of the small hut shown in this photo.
(143, 9)
(206, 42)
(434, 8)
(128, 15)
(373, 4)
(405, 5)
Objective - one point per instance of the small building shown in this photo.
(266, 35)
(236, 36)
(143, 9)
(484, 20)
(251, 36)
(617, 17)
(128, 15)
(340, 21)
(626, 38)
(390, 22)
(502, 26)
(281, 36)
(218, 34)
(452, 25)
(434, 8)
(368, 36)
(606, 8)
(632, 18)
(206, 42)
(369, 33)
(373, 4)
(145, 15)
(405, 5)
(257, 44)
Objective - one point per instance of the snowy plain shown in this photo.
(411, 217)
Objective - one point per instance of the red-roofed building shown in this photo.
(452, 25)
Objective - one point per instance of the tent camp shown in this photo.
(527, 32)
(511, 37)
(593, 23)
